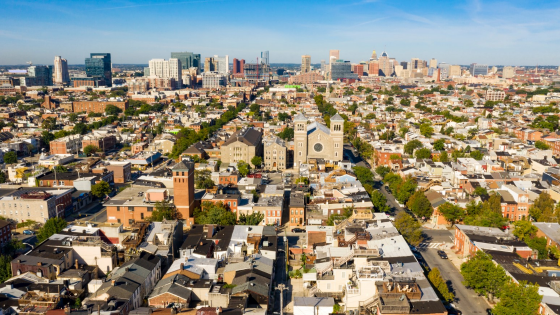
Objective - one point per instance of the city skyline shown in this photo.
(487, 32)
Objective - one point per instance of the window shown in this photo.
(119, 220)
(142, 215)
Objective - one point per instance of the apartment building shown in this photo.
(103, 142)
(297, 208)
(275, 154)
(97, 106)
(242, 146)
(71, 144)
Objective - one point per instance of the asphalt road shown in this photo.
(280, 277)
(467, 301)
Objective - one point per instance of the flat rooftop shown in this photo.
(133, 196)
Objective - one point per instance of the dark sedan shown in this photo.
(442, 254)
(297, 230)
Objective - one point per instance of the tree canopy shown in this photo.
(51, 227)
(214, 213)
(164, 210)
(10, 157)
(254, 218)
(101, 189)
(482, 275)
(409, 228)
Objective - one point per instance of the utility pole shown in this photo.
(281, 287)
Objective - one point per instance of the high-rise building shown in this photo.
(209, 64)
(238, 65)
(404, 64)
(256, 72)
(39, 76)
(221, 64)
(305, 63)
(323, 66)
(373, 55)
(508, 72)
(445, 70)
(373, 68)
(60, 73)
(433, 63)
(342, 70)
(334, 53)
(358, 69)
(188, 59)
(454, 71)
(478, 69)
(264, 58)
(386, 66)
(415, 64)
(99, 65)
(167, 69)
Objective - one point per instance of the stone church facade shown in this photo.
(315, 140)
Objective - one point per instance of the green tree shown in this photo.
(452, 213)
(10, 157)
(444, 157)
(439, 145)
(379, 201)
(80, 128)
(164, 210)
(477, 155)
(518, 299)
(406, 190)
(2, 177)
(409, 228)
(72, 117)
(538, 244)
(287, 134)
(49, 123)
(78, 303)
(482, 275)
(303, 180)
(423, 153)
(382, 170)
(411, 146)
(243, 168)
(60, 169)
(202, 179)
(47, 137)
(112, 110)
(5, 267)
(488, 213)
(420, 205)
(51, 227)
(254, 218)
(101, 189)
(542, 209)
(541, 145)
(214, 214)
(480, 191)
(426, 130)
(524, 229)
(91, 149)
(256, 161)
(441, 285)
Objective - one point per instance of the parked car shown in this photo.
(442, 254)
(15, 233)
(28, 232)
(297, 230)
(413, 249)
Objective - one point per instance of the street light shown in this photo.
(281, 287)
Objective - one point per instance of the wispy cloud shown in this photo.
(372, 21)
(155, 4)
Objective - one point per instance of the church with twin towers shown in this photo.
(313, 140)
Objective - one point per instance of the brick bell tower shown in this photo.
(183, 188)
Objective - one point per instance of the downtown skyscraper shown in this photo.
(60, 72)
(98, 65)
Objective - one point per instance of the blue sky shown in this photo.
(459, 32)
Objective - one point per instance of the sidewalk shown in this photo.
(451, 256)
(431, 226)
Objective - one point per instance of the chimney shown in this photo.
(113, 282)
(182, 266)
(76, 263)
(39, 263)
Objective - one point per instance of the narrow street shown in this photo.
(466, 300)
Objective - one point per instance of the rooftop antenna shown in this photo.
(29, 63)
